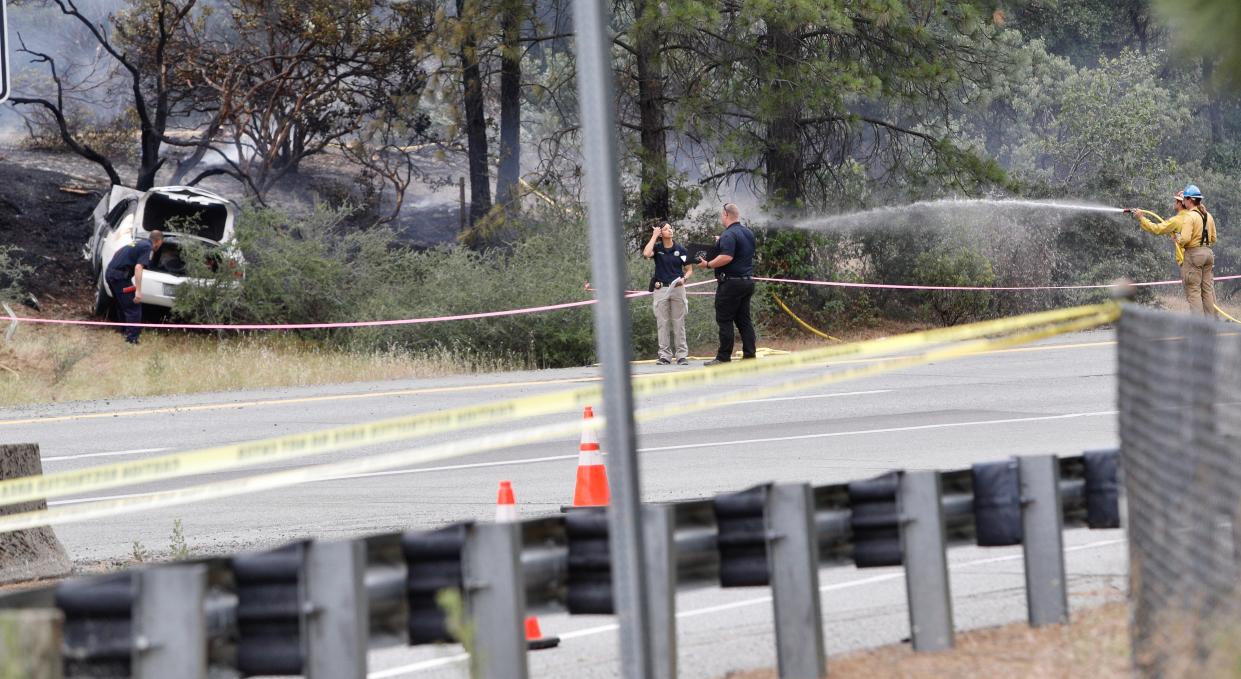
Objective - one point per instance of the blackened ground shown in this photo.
(47, 215)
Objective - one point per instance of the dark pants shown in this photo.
(732, 306)
(127, 309)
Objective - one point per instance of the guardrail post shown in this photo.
(170, 628)
(30, 643)
(924, 544)
(496, 601)
(337, 620)
(1042, 523)
(794, 563)
(661, 580)
(596, 104)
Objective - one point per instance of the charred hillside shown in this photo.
(46, 214)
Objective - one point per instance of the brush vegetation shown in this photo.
(310, 269)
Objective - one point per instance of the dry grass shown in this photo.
(793, 338)
(44, 365)
(1175, 301)
(1185, 642)
(1094, 646)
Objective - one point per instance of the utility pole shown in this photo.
(612, 332)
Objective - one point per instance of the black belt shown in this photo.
(731, 277)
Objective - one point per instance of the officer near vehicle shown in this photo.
(734, 269)
(670, 304)
(1193, 231)
(124, 278)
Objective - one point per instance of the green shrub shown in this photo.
(807, 255)
(13, 273)
(295, 273)
(956, 267)
(1100, 250)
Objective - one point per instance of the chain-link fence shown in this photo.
(1180, 416)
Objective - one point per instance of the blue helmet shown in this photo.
(1192, 191)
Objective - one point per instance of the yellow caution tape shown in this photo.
(295, 446)
(385, 461)
(287, 447)
(802, 323)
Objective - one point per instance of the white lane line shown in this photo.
(394, 672)
(420, 666)
(455, 467)
(887, 430)
(810, 396)
(655, 449)
(79, 501)
(117, 453)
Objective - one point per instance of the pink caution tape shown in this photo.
(557, 307)
(325, 326)
(310, 326)
(967, 288)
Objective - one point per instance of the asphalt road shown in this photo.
(1055, 397)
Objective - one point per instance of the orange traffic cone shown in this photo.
(506, 512)
(535, 640)
(592, 477)
(506, 504)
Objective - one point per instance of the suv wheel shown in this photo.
(103, 302)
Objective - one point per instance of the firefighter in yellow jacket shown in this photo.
(1193, 232)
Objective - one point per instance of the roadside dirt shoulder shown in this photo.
(1094, 646)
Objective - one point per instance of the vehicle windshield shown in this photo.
(185, 215)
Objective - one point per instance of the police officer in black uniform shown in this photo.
(734, 269)
(124, 274)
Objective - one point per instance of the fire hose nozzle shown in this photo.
(1128, 210)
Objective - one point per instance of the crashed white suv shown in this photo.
(184, 214)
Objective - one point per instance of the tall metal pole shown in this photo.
(612, 331)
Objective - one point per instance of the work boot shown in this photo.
(663, 361)
(682, 361)
(714, 361)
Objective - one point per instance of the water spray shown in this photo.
(846, 220)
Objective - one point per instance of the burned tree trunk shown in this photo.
(783, 153)
(475, 120)
(150, 163)
(509, 173)
(654, 195)
(35, 553)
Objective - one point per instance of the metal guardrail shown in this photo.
(314, 608)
